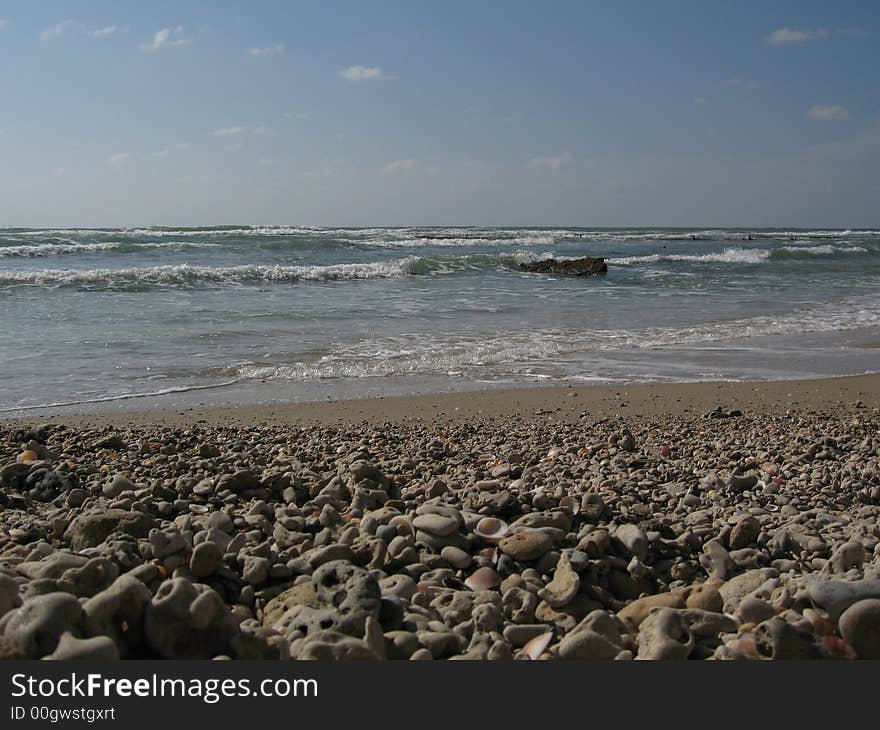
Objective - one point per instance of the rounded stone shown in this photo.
(744, 533)
(587, 644)
(117, 486)
(205, 559)
(98, 648)
(440, 525)
(860, 626)
(525, 545)
(706, 598)
(456, 557)
(37, 626)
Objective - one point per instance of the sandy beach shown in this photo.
(569, 403)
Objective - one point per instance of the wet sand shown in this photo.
(568, 403)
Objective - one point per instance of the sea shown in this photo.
(109, 319)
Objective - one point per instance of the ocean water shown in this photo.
(98, 319)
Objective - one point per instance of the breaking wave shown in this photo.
(457, 354)
(70, 247)
(739, 255)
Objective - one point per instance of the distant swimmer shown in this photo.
(750, 238)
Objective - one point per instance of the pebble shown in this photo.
(860, 626)
(440, 525)
(745, 532)
(587, 644)
(456, 557)
(564, 586)
(98, 648)
(526, 544)
(680, 537)
(636, 612)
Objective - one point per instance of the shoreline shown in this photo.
(525, 404)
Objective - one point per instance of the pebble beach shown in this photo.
(709, 521)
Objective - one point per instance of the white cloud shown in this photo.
(267, 51)
(163, 153)
(233, 147)
(108, 30)
(784, 36)
(75, 28)
(363, 73)
(701, 100)
(228, 131)
(119, 159)
(167, 37)
(59, 29)
(742, 82)
(832, 111)
(551, 162)
(296, 115)
(231, 131)
(267, 162)
(399, 166)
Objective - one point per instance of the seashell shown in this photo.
(536, 646)
(198, 509)
(483, 579)
(28, 455)
(555, 451)
(491, 529)
(570, 505)
(404, 522)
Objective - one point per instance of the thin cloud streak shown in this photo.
(828, 112)
(167, 38)
(267, 51)
(787, 36)
(363, 73)
(551, 162)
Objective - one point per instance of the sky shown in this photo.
(558, 113)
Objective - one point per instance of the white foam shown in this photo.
(457, 242)
(186, 274)
(466, 354)
(57, 249)
(728, 256)
(824, 250)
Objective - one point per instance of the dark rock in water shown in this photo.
(587, 266)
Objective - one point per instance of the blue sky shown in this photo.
(399, 113)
